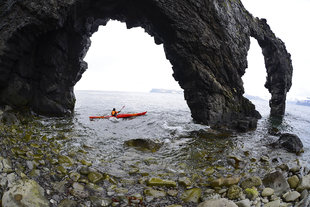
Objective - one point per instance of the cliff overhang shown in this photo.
(43, 44)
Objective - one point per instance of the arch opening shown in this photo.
(121, 59)
(255, 77)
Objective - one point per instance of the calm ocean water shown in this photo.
(187, 147)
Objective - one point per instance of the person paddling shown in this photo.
(114, 112)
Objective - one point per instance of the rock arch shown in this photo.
(43, 43)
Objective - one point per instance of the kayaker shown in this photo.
(114, 112)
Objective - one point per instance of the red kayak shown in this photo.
(118, 116)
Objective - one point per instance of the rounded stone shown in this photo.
(267, 192)
(293, 181)
(217, 203)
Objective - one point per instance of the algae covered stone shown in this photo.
(250, 182)
(154, 193)
(95, 177)
(62, 159)
(75, 176)
(192, 195)
(234, 192)
(160, 182)
(251, 193)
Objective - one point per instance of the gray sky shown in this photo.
(128, 60)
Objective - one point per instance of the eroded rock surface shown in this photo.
(43, 44)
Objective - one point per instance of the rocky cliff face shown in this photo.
(43, 43)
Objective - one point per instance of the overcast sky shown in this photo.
(128, 60)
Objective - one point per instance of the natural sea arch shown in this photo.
(43, 44)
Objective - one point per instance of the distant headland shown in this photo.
(157, 90)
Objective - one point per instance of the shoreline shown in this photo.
(32, 160)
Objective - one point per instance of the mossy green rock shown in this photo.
(154, 193)
(62, 159)
(84, 162)
(160, 182)
(61, 169)
(192, 195)
(251, 193)
(75, 176)
(293, 181)
(251, 182)
(234, 192)
(209, 171)
(95, 177)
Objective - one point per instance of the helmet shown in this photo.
(113, 109)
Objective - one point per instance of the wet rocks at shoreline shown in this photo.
(35, 162)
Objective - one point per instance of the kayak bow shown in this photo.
(118, 116)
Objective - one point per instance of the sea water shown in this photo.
(187, 148)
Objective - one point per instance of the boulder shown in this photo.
(26, 193)
(276, 181)
(290, 142)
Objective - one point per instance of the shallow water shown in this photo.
(187, 149)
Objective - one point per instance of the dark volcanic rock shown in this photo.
(43, 44)
(290, 142)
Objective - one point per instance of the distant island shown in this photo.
(250, 97)
(304, 102)
(157, 90)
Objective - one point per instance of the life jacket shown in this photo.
(114, 113)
